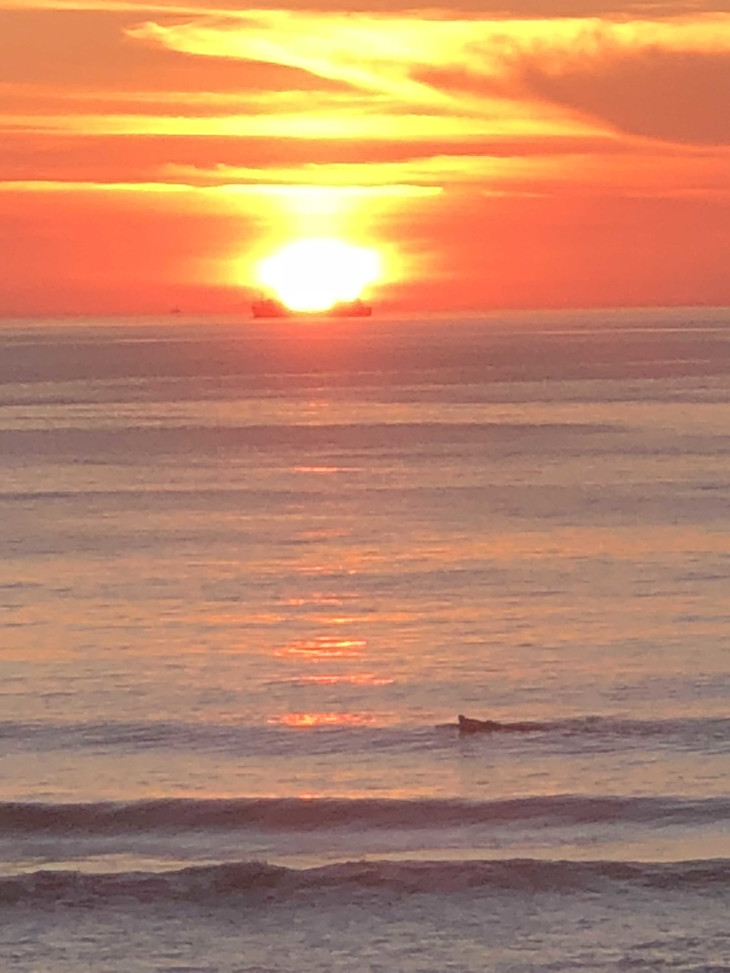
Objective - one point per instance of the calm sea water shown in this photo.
(252, 572)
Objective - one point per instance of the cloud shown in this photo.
(83, 52)
(312, 75)
(573, 76)
(501, 10)
(659, 94)
(416, 102)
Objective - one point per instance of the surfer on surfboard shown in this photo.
(469, 725)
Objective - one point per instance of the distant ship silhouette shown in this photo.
(269, 307)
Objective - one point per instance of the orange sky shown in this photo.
(545, 153)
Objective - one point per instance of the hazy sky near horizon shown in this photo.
(554, 153)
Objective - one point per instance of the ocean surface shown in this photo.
(251, 573)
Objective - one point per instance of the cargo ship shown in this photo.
(269, 307)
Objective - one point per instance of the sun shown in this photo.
(315, 273)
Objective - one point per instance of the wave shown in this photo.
(709, 728)
(312, 814)
(690, 733)
(208, 883)
(104, 437)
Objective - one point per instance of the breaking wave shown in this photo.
(311, 814)
(211, 883)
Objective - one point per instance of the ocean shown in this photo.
(252, 572)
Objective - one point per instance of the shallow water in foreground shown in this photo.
(251, 574)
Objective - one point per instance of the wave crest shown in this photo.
(298, 814)
(208, 884)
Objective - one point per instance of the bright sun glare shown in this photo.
(315, 273)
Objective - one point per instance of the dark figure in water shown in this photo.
(468, 725)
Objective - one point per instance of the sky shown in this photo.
(539, 153)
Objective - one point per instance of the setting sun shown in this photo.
(316, 273)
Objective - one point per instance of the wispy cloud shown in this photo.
(514, 76)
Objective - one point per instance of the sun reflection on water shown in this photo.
(324, 719)
(315, 600)
(323, 647)
(350, 678)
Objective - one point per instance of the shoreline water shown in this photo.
(249, 571)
